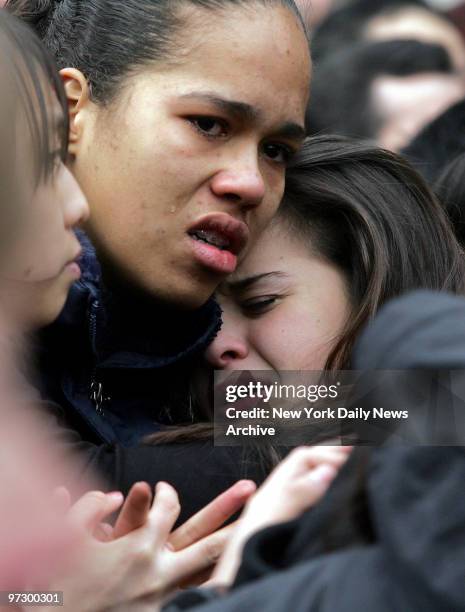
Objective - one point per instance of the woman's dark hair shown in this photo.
(344, 26)
(33, 96)
(108, 39)
(366, 211)
(450, 189)
(32, 78)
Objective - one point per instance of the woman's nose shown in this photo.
(241, 180)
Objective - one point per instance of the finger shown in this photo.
(335, 456)
(212, 516)
(330, 442)
(199, 557)
(305, 458)
(93, 507)
(135, 510)
(315, 484)
(164, 512)
(104, 532)
(336, 442)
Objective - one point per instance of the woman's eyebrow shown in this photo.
(245, 283)
(242, 110)
(245, 112)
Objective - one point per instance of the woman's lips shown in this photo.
(74, 269)
(73, 266)
(216, 240)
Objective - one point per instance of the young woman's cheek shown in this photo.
(288, 338)
(273, 336)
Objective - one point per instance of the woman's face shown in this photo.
(283, 309)
(41, 266)
(187, 169)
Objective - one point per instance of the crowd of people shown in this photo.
(190, 186)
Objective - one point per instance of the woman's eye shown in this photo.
(209, 126)
(260, 305)
(278, 153)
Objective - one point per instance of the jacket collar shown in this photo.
(127, 334)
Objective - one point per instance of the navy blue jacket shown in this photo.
(116, 367)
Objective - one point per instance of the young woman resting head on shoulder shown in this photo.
(357, 227)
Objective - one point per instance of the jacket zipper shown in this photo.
(97, 395)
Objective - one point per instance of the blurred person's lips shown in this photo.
(72, 266)
(216, 241)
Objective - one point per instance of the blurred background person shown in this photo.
(377, 20)
(438, 153)
(386, 91)
(438, 143)
(314, 11)
(384, 69)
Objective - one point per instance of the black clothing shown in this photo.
(407, 554)
(197, 470)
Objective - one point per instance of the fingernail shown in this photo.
(115, 495)
(246, 486)
(159, 486)
(323, 473)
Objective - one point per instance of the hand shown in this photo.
(138, 561)
(201, 526)
(132, 568)
(135, 511)
(298, 483)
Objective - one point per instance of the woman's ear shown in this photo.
(78, 95)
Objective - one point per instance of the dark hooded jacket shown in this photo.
(113, 370)
(400, 545)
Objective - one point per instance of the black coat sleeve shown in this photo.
(198, 470)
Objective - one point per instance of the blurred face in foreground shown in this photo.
(41, 264)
